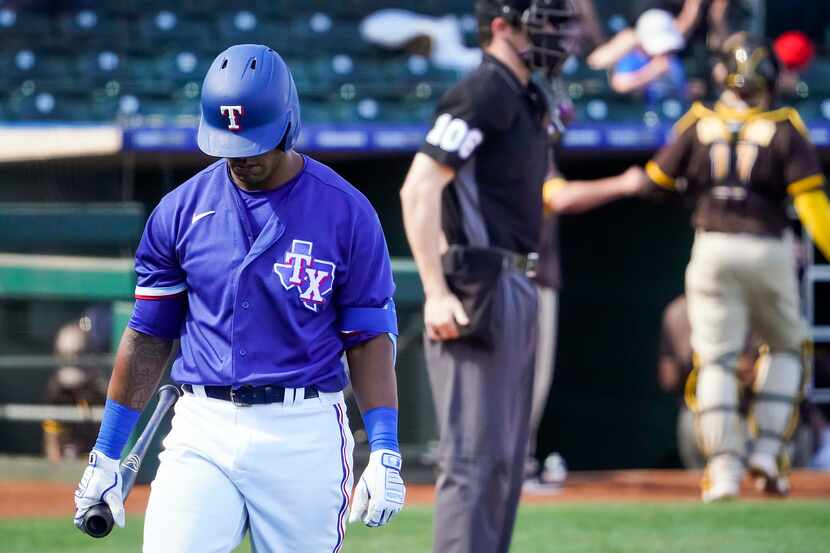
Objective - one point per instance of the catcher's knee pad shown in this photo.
(718, 423)
(779, 385)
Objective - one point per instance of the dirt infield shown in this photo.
(40, 499)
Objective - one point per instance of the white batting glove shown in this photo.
(101, 482)
(380, 493)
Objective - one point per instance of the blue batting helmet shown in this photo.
(249, 103)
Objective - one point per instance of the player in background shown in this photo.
(560, 196)
(265, 266)
(744, 161)
(473, 208)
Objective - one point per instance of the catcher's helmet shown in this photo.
(249, 103)
(751, 66)
(549, 25)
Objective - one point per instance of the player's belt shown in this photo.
(485, 258)
(249, 395)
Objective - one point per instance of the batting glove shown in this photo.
(101, 482)
(380, 493)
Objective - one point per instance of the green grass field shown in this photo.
(747, 527)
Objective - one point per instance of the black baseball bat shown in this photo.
(98, 521)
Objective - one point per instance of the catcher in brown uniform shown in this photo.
(743, 162)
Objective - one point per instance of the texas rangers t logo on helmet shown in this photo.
(233, 112)
(313, 278)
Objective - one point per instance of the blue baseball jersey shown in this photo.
(269, 305)
(671, 85)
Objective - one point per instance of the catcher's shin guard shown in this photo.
(779, 386)
(719, 429)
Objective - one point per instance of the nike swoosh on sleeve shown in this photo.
(202, 215)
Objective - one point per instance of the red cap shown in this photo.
(794, 49)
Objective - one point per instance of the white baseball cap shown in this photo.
(657, 33)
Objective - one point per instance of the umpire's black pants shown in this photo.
(483, 400)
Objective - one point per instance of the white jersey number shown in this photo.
(454, 135)
(746, 154)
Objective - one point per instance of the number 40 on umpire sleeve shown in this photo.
(454, 135)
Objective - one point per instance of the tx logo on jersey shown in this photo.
(312, 278)
(234, 114)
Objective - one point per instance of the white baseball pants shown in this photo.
(545, 361)
(281, 471)
(734, 283)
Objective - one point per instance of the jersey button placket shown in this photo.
(236, 339)
(245, 304)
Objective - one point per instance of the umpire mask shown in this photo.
(550, 26)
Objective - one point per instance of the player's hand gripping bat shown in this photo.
(98, 521)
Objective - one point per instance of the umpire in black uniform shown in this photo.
(475, 245)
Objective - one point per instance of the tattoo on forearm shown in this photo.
(144, 358)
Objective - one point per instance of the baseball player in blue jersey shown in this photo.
(266, 266)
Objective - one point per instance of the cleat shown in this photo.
(721, 492)
(726, 487)
(770, 475)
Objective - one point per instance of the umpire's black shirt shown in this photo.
(491, 129)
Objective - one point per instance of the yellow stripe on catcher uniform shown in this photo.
(813, 209)
(549, 190)
(659, 177)
(807, 184)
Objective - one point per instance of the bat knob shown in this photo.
(98, 521)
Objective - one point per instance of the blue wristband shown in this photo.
(116, 426)
(382, 428)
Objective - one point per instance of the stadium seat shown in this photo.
(425, 91)
(101, 66)
(604, 110)
(99, 56)
(437, 7)
(408, 112)
(164, 110)
(209, 8)
(311, 81)
(48, 106)
(313, 112)
(32, 27)
(166, 29)
(130, 8)
(103, 107)
(318, 75)
(590, 82)
(351, 10)
(92, 29)
(29, 63)
(813, 109)
(27, 66)
(817, 78)
(239, 26)
(183, 66)
(248, 27)
(368, 75)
